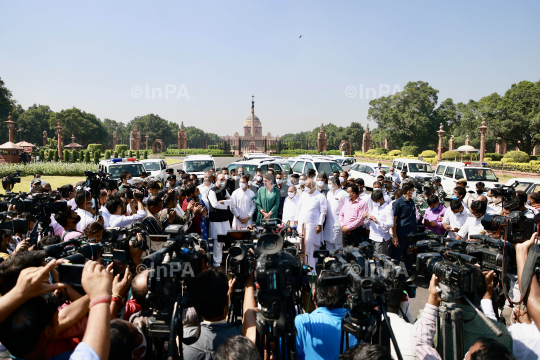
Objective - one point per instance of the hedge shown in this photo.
(87, 156)
(94, 147)
(193, 152)
(48, 168)
(145, 154)
(494, 156)
(107, 154)
(121, 148)
(428, 154)
(138, 154)
(65, 155)
(74, 156)
(510, 166)
(517, 156)
(395, 153)
(410, 151)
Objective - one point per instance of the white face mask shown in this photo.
(258, 178)
(414, 194)
(279, 181)
(376, 205)
(242, 186)
(320, 183)
(291, 195)
(497, 201)
(391, 173)
(341, 179)
(307, 190)
(226, 177)
(250, 183)
(130, 181)
(235, 178)
(302, 182)
(222, 184)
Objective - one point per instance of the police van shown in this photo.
(117, 166)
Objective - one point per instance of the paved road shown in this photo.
(421, 281)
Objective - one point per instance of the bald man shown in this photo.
(489, 210)
(289, 206)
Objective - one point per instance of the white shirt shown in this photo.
(72, 205)
(123, 220)
(335, 199)
(455, 221)
(496, 209)
(472, 226)
(242, 206)
(367, 199)
(289, 209)
(86, 218)
(525, 337)
(404, 336)
(106, 216)
(397, 179)
(311, 209)
(380, 231)
(204, 192)
(492, 211)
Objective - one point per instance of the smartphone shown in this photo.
(71, 274)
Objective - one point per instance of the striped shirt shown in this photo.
(153, 225)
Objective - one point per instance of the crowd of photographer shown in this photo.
(80, 276)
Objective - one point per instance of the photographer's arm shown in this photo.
(71, 314)
(424, 328)
(31, 283)
(532, 301)
(249, 328)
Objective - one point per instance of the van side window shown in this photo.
(459, 174)
(369, 170)
(449, 172)
(362, 168)
(395, 164)
(298, 166)
(440, 169)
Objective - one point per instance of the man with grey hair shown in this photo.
(310, 214)
(335, 198)
(301, 184)
(289, 207)
(219, 199)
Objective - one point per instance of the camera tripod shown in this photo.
(450, 315)
(364, 326)
(280, 331)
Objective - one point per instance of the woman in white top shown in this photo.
(243, 206)
(335, 198)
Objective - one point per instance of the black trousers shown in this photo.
(354, 238)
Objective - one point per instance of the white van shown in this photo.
(198, 165)
(157, 168)
(414, 167)
(320, 164)
(450, 172)
(117, 166)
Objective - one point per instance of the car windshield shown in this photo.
(414, 167)
(248, 169)
(199, 165)
(480, 175)
(152, 166)
(286, 167)
(327, 167)
(523, 186)
(340, 161)
(133, 169)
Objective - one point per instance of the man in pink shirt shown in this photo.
(351, 217)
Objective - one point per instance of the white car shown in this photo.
(366, 171)
(450, 172)
(529, 185)
(157, 168)
(318, 163)
(414, 167)
(253, 156)
(346, 162)
(198, 165)
(249, 166)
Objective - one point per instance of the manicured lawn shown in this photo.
(55, 181)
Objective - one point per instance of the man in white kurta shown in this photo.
(243, 206)
(289, 206)
(335, 199)
(311, 212)
(219, 199)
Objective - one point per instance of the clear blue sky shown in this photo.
(91, 54)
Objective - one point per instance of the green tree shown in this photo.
(65, 155)
(515, 117)
(87, 156)
(408, 115)
(110, 126)
(145, 154)
(42, 154)
(86, 126)
(35, 120)
(55, 156)
(96, 157)
(74, 156)
(7, 105)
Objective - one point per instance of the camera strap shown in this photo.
(528, 270)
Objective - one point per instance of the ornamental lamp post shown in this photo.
(483, 130)
(441, 134)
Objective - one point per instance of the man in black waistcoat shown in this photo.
(219, 200)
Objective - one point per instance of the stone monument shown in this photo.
(321, 140)
(366, 141)
(182, 137)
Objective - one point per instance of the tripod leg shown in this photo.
(442, 315)
(341, 342)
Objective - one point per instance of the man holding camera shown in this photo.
(85, 209)
(151, 222)
(117, 209)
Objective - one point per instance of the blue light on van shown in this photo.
(116, 160)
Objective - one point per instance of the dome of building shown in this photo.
(248, 121)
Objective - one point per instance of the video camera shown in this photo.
(506, 191)
(12, 179)
(131, 194)
(517, 227)
(97, 181)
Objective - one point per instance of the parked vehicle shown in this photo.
(318, 163)
(250, 166)
(198, 164)
(345, 162)
(529, 185)
(450, 172)
(119, 165)
(157, 168)
(366, 171)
